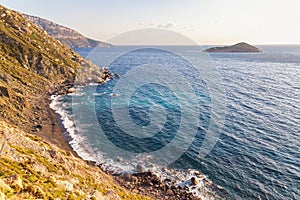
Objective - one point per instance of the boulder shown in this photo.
(194, 181)
(4, 91)
(71, 90)
(138, 168)
(101, 81)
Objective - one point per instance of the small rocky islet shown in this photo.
(36, 161)
(241, 47)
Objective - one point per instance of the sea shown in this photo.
(162, 108)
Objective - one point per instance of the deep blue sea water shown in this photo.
(257, 155)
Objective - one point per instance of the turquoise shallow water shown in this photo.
(258, 152)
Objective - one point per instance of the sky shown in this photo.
(204, 21)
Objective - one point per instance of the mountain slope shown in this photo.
(32, 65)
(66, 35)
(33, 169)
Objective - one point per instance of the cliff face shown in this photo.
(239, 47)
(67, 36)
(32, 64)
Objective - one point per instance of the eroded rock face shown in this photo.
(65, 35)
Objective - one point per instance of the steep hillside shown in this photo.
(67, 36)
(32, 63)
(33, 169)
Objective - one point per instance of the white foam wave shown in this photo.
(79, 94)
(77, 142)
(81, 146)
(180, 178)
(99, 94)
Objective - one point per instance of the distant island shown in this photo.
(239, 47)
(66, 35)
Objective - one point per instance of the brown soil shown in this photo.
(52, 129)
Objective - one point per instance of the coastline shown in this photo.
(53, 130)
(146, 183)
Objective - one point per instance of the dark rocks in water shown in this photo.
(240, 47)
(117, 75)
(148, 183)
(105, 74)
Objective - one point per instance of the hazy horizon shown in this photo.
(207, 23)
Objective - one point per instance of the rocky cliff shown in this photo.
(239, 47)
(67, 36)
(32, 66)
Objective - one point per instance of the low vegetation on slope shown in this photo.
(32, 64)
(31, 168)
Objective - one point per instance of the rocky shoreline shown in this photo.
(34, 146)
(150, 184)
(145, 183)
